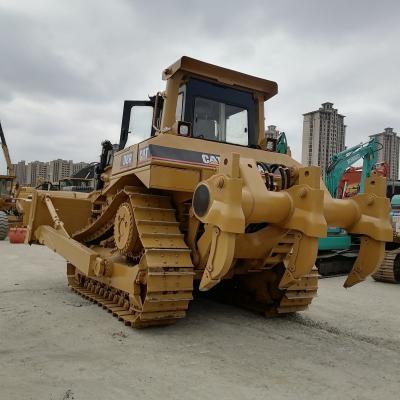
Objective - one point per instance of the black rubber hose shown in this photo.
(269, 181)
(283, 177)
(288, 183)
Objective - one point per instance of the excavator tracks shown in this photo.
(164, 272)
(300, 295)
(259, 292)
(296, 298)
(157, 309)
(163, 281)
(389, 271)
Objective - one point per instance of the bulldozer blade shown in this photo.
(369, 259)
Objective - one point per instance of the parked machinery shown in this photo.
(389, 271)
(202, 203)
(338, 251)
(7, 183)
(350, 183)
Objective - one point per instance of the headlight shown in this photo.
(184, 128)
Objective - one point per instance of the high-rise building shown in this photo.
(76, 167)
(323, 136)
(272, 132)
(390, 151)
(20, 170)
(37, 172)
(60, 169)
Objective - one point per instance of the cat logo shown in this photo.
(210, 159)
(126, 160)
(144, 154)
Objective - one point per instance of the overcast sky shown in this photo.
(66, 66)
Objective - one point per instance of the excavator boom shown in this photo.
(10, 167)
(343, 160)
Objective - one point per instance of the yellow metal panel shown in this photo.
(73, 209)
(224, 75)
(125, 160)
(173, 178)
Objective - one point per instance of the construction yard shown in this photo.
(57, 345)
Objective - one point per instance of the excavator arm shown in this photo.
(343, 160)
(10, 167)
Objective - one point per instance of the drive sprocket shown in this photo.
(125, 231)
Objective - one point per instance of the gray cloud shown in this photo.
(67, 66)
(31, 66)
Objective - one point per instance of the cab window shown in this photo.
(5, 187)
(220, 113)
(140, 124)
(215, 120)
(179, 107)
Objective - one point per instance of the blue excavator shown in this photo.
(338, 251)
(281, 144)
(278, 145)
(342, 161)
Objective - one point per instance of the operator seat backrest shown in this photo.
(205, 128)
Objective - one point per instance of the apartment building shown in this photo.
(272, 132)
(37, 172)
(324, 135)
(390, 151)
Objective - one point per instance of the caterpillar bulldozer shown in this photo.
(202, 205)
(14, 199)
(7, 183)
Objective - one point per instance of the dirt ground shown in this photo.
(56, 345)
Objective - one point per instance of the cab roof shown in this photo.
(226, 76)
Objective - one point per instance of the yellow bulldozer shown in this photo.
(204, 203)
(14, 200)
(7, 187)
(389, 270)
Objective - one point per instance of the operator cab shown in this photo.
(202, 101)
(217, 112)
(204, 110)
(6, 185)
